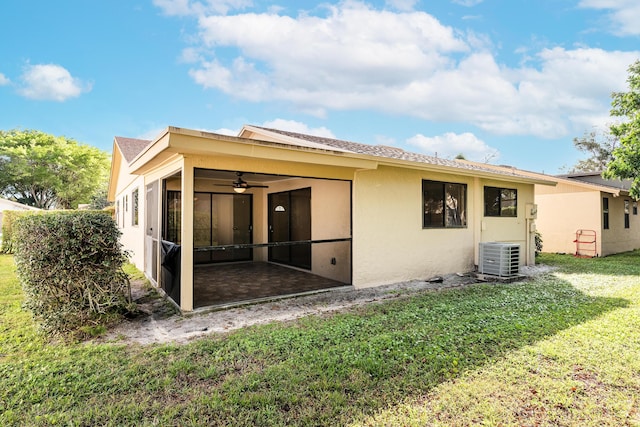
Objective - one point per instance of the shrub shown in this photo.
(70, 267)
(538, 238)
(8, 218)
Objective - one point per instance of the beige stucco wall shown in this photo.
(506, 229)
(389, 243)
(567, 208)
(618, 238)
(561, 213)
(132, 235)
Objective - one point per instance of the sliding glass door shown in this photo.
(222, 219)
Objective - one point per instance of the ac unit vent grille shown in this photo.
(499, 259)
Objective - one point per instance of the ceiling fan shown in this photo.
(240, 185)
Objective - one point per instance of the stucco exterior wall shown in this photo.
(618, 238)
(561, 214)
(567, 208)
(132, 237)
(506, 229)
(390, 244)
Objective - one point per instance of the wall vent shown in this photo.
(499, 259)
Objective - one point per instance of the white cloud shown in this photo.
(451, 144)
(4, 80)
(623, 16)
(333, 62)
(51, 82)
(225, 131)
(299, 127)
(190, 56)
(406, 64)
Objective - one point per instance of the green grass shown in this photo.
(558, 350)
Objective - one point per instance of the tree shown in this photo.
(46, 171)
(600, 146)
(626, 157)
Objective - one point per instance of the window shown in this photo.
(605, 213)
(118, 212)
(500, 202)
(134, 207)
(445, 204)
(635, 208)
(626, 214)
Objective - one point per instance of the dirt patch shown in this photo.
(159, 322)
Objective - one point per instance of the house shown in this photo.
(587, 215)
(271, 212)
(10, 205)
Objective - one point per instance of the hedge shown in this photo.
(70, 266)
(8, 217)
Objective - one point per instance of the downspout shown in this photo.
(528, 241)
(479, 223)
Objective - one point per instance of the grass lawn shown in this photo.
(560, 350)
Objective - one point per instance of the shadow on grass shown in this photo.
(337, 370)
(324, 370)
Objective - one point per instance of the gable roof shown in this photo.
(136, 156)
(131, 147)
(124, 151)
(395, 153)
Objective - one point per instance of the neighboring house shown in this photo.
(587, 215)
(9, 205)
(344, 212)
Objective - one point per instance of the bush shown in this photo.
(70, 267)
(8, 218)
(538, 238)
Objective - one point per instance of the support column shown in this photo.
(186, 266)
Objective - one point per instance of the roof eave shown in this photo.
(113, 173)
(466, 172)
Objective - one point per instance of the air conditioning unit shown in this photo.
(499, 259)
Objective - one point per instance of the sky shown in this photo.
(509, 82)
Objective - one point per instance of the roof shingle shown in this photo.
(390, 152)
(131, 147)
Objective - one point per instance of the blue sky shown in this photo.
(509, 81)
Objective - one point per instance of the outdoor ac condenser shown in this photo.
(499, 259)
